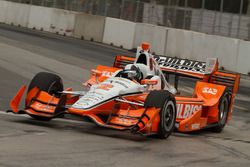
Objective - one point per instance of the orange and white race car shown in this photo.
(134, 95)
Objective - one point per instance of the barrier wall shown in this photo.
(3, 7)
(155, 35)
(119, 33)
(179, 43)
(243, 61)
(198, 46)
(17, 14)
(40, 18)
(62, 22)
(225, 49)
(89, 27)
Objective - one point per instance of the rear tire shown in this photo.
(223, 112)
(48, 82)
(166, 102)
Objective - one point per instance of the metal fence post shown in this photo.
(230, 24)
(239, 22)
(122, 9)
(221, 11)
(174, 16)
(202, 14)
(137, 11)
(185, 15)
(54, 3)
(43, 3)
(106, 8)
(65, 4)
(78, 6)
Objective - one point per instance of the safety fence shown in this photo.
(220, 21)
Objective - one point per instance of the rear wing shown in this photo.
(189, 68)
(207, 71)
(185, 67)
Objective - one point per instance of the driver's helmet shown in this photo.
(131, 72)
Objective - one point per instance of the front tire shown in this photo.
(166, 102)
(48, 82)
(167, 119)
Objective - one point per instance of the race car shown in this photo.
(134, 95)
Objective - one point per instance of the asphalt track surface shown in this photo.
(63, 142)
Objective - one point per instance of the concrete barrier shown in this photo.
(155, 35)
(225, 49)
(243, 61)
(119, 33)
(3, 7)
(199, 46)
(17, 14)
(89, 27)
(179, 43)
(40, 18)
(62, 22)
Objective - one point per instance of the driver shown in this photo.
(131, 72)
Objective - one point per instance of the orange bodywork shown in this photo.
(197, 112)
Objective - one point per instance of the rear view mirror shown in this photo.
(149, 82)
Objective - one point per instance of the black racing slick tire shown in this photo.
(223, 112)
(166, 102)
(48, 82)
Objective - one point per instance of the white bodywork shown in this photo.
(107, 90)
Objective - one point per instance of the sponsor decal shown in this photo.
(107, 74)
(181, 64)
(195, 126)
(208, 90)
(104, 86)
(44, 107)
(186, 110)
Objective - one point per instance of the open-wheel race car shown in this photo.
(134, 94)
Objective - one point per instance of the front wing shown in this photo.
(115, 114)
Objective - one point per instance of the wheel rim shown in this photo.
(169, 115)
